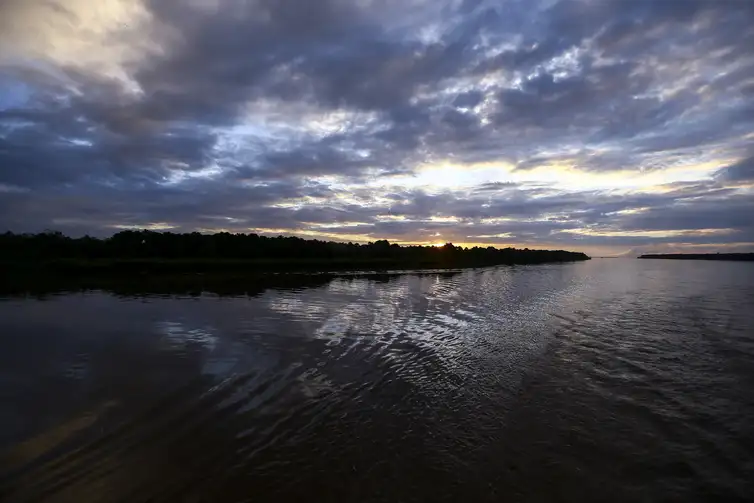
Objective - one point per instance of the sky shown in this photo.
(606, 126)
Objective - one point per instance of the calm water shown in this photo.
(610, 380)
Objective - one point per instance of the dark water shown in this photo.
(611, 380)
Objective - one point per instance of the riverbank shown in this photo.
(337, 264)
(146, 253)
(735, 257)
(223, 277)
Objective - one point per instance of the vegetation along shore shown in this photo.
(737, 257)
(149, 252)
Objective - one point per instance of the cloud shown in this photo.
(742, 171)
(564, 121)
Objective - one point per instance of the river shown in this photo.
(607, 380)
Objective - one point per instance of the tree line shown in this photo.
(734, 257)
(145, 245)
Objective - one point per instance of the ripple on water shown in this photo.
(528, 383)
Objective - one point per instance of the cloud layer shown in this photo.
(599, 125)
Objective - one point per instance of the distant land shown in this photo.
(738, 257)
(148, 252)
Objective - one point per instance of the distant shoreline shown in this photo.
(222, 277)
(147, 252)
(269, 265)
(733, 257)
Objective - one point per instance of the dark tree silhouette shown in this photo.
(195, 251)
(735, 257)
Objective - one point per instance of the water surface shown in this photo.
(609, 380)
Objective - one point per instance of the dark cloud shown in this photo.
(219, 60)
(468, 99)
(742, 171)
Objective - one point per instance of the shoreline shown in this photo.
(147, 257)
(268, 265)
(730, 257)
(229, 279)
